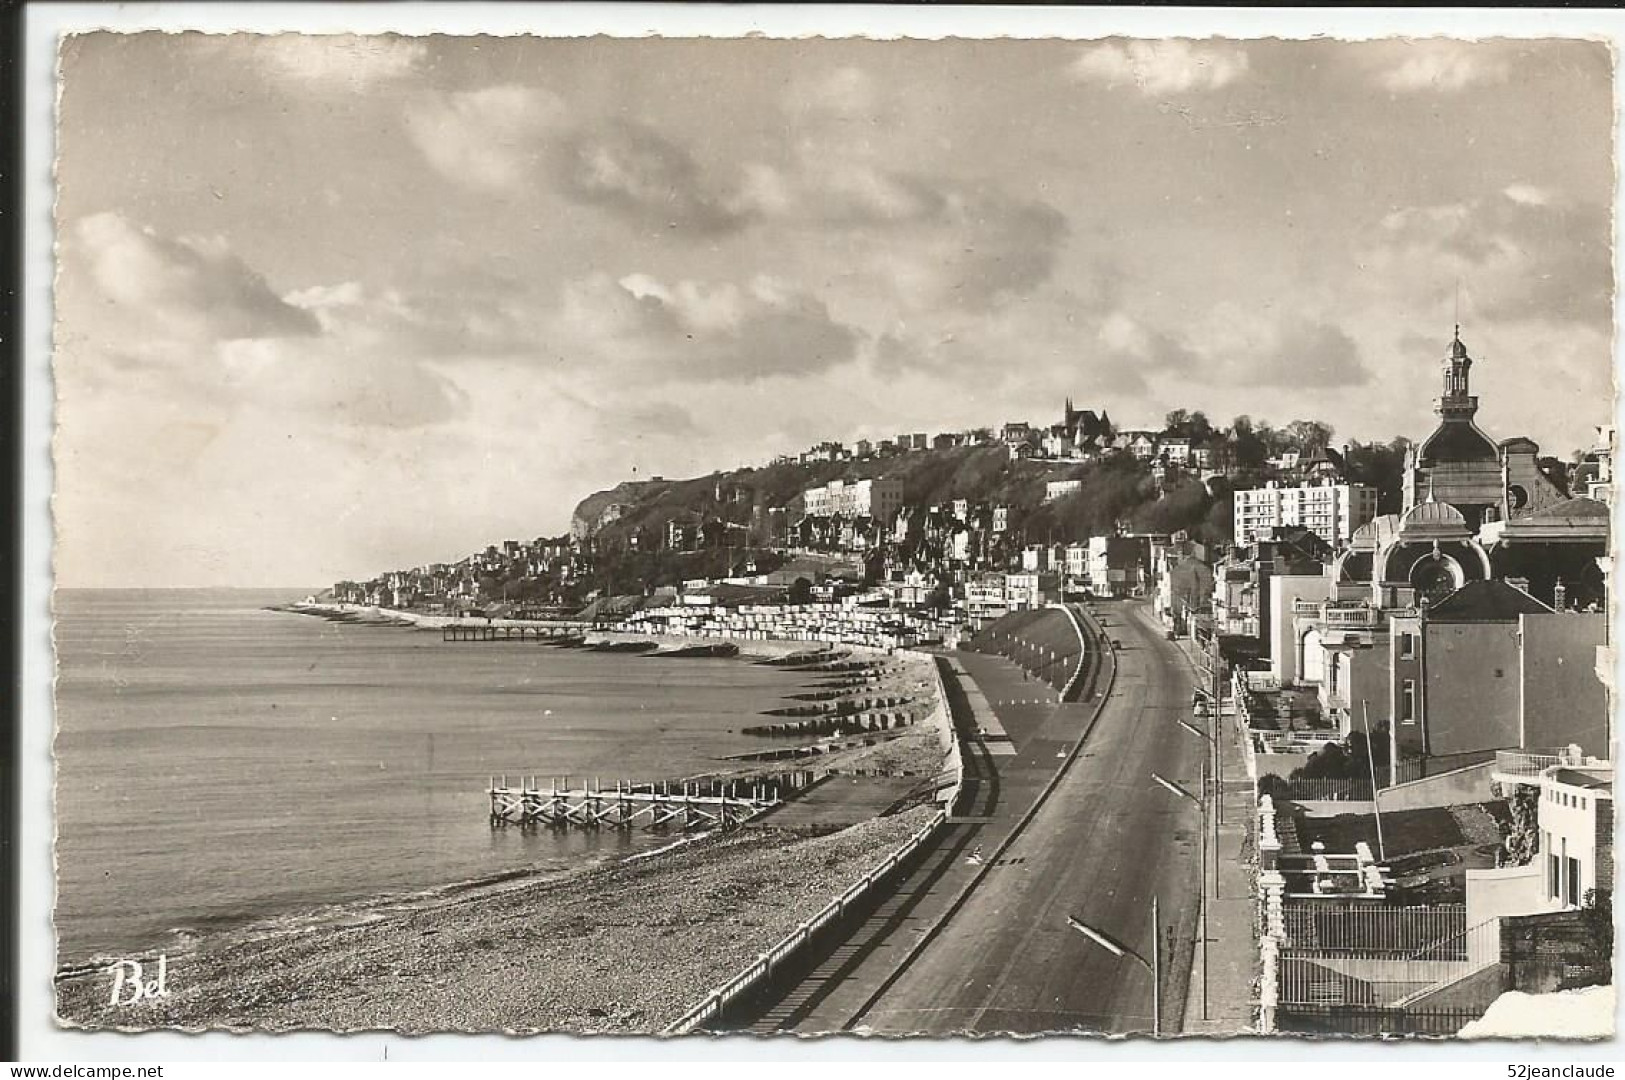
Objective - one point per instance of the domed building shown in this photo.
(1430, 555)
(1460, 465)
(1482, 521)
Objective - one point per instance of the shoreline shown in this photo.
(572, 955)
(451, 910)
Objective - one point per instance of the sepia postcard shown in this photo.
(669, 535)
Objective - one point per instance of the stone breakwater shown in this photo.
(625, 949)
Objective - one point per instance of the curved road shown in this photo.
(1099, 848)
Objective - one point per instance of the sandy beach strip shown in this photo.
(625, 949)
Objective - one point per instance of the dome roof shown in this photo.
(1457, 441)
(1354, 565)
(1369, 537)
(1433, 514)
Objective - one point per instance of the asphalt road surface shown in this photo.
(1100, 847)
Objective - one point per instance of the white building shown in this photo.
(877, 499)
(1331, 511)
(1060, 489)
(1290, 594)
(1177, 449)
(985, 598)
(1030, 591)
(1576, 825)
(1040, 558)
(1077, 563)
(1576, 840)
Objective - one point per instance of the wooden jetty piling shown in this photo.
(625, 806)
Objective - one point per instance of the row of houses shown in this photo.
(846, 622)
(450, 586)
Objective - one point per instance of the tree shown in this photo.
(1597, 915)
(1246, 446)
(1522, 841)
(1348, 760)
(1309, 435)
(1190, 425)
(1383, 467)
(800, 592)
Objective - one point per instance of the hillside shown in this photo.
(980, 474)
(1113, 490)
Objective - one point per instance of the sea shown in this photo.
(226, 767)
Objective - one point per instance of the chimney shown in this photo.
(1560, 596)
(1519, 583)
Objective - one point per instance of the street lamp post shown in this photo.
(1216, 663)
(1201, 903)
(1208, 738)
(1117, 948)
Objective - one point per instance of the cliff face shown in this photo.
(602, 507)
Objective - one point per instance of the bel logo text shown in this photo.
(129, 986)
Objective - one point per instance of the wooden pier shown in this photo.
(649, 806)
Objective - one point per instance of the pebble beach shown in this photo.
(624, 949)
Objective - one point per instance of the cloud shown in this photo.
(1527, 194)
(1227, 346)
(189, 287)
(339, 383)
(448, 322)
(638, 174)
(1126, 353)
(489, 138)
(846, 93)
(642, 327)
(1521, 254)
(978, 250)
(1440, 64)
(190, 320)
(1156, 68)
(922, 241)
(332, 61)
(1247, 346)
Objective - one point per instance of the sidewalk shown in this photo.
(1231, 956)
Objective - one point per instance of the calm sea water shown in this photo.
(222, 765)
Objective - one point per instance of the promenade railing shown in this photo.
(759, 971)
(752, 977)
(1069, 691)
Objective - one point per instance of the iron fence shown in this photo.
(1407, 978)
(1328, 789)
(1372, 1021)
(1371, 929)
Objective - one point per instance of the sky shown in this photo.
(329, 306)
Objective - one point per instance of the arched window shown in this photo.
(1312, 658)
(1436, 577)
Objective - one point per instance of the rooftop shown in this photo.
(1457, 441)
(1486, 601)
(1592, 781)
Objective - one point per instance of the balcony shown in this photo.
(1361, 616)
(1524, 766)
